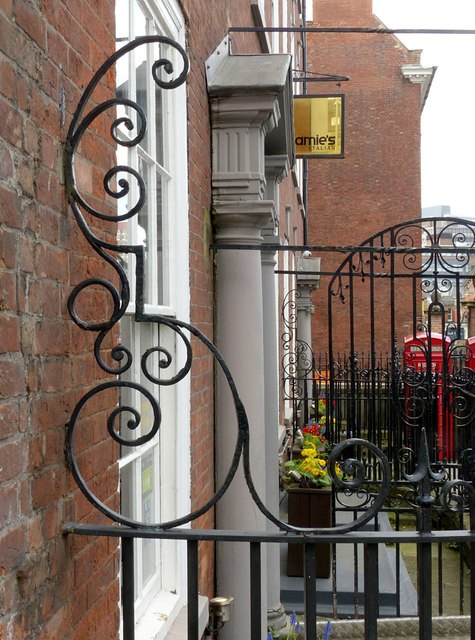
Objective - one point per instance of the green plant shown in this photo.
(310, 468)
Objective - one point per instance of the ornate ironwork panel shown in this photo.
(358, 463)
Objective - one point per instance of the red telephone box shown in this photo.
(471, 358)
(416, 355)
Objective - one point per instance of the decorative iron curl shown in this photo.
(415, 377)
(167, 359)
(167, 66)
(427, 285)
(457, 495)
(74, 142)
(462, 409)
(464, 355)
(132, 424)
(414, 409)
(290, 365)
(403, 497)
(462, 380)
(348, 474)
(305, 358)
(90, 325)
(124, 190)
(463, 238)
(354, 500)
(360, 266)
(406, 456)
(461, 259)
(81, 122)
(422, 327)
(289, 314)
(242, 429)
(118, 353)
(338, 292)
(460, 238)
(405, 237)
(443, 286)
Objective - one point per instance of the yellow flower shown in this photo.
(307, 465)
(309, 451)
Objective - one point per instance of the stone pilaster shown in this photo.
(240, 214)
(246, 94)
(308, 280)
(277, 168)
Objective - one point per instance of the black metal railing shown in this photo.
(391, 401)
(376, 398)
(367, 543)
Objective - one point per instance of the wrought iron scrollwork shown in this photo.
(123, 421)
(435, 253)
(297, 361)
(457, 496)
(352, 473)
(352, 465)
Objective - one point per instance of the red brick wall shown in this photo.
(377, 184)
(51, 586)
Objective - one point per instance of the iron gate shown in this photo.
(393, 348)
(389, 373)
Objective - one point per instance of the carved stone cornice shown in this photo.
(249, 98)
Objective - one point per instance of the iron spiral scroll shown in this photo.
(346, 470)
(121, 356)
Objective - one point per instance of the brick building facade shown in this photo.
(377, 183)
(52, 585)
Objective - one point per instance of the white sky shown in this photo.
(448, 119)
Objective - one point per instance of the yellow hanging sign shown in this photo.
(318, 123)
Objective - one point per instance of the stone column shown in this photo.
(246, 94)
(308, 280)
(238, 172)
(276, 169)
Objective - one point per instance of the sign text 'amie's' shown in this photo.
(318, 122)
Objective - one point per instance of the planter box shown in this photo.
(311, 509)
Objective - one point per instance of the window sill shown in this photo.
(179, 630)
(155, 625)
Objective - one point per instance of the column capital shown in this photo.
(308, 272)
(241, 221)
(303, 300)
(240, 126)
(277, 168)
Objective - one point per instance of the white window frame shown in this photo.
(309, 11)
(157, 609)
(276, 23)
